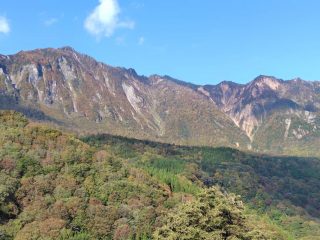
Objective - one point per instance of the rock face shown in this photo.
(276, 115)
(81, 93)
(74, 90)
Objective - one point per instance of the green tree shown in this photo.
(8, 186)
(213, 215)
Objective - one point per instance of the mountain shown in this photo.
(279, 116)
(75, 91)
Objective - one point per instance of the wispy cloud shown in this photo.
(141, 40)
(104, 19)
(4, 25)
(49, 22)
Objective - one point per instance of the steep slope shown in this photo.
(76, 90)
(278, 116)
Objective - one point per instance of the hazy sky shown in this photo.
(200, 41)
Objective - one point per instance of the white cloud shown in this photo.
(4, 25)
(50, 21)
(141, 41)
(104, 19)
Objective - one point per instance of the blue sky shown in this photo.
(200, 41)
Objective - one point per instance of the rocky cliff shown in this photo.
(73, 90)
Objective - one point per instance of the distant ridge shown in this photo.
(266, 114)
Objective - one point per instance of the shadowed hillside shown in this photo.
(286, 189)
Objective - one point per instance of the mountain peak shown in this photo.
(229, 84)
(269, 81)
(67, 49)
(262, 78)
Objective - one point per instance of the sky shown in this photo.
(198, 41)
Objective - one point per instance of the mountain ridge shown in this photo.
(77, 90)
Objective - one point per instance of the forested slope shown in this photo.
(284, 189)
(56, 186)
